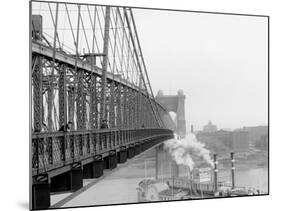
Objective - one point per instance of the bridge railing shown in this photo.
(52, 150)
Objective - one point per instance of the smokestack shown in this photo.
(191, 128)
(215, 172)
(232, 169)
(174, 169)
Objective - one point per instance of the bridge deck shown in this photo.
(55, 152)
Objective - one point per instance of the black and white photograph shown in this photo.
(136, 105)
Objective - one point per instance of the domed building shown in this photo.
(210, 127)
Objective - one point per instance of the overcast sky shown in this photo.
(219, 61)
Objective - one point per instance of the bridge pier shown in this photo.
(110, 161)
(122, 155)
(149, 144)
(88, 170)
(76, 177)
(61, 182)
(98, 167)
(131, 152)
(142, 146)
(41, 193)
(137, 149)
(68, 181)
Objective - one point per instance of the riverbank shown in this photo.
(248, 160)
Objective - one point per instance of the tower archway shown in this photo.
(175, 103)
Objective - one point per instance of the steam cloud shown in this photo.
(183, 150)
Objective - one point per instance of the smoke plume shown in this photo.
(184, 150)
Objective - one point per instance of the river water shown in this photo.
(119, 185)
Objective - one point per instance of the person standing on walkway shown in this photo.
(66, 128)
(104, 124)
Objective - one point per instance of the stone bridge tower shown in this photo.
(175, 103)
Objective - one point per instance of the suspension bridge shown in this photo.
(92, 103)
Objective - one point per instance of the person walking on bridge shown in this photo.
(104, 124)
(66, 128)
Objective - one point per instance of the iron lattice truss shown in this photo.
(87, 66)
(89, 55)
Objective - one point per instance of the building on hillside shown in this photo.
(262, 143)
(240, 141)
(255, 133)
(210, 127)
(225, 141)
